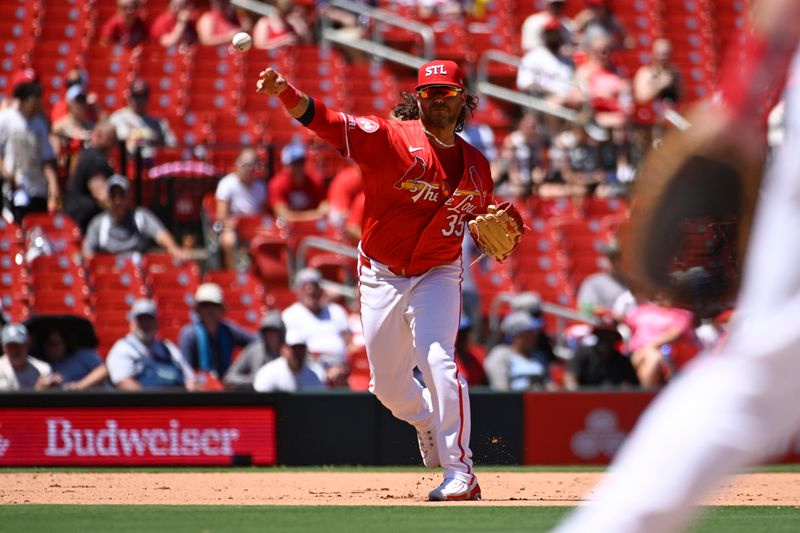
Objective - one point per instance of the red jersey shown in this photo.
(166, 22)
(412, 219)
(282, 190)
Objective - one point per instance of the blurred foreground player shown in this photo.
(422, 184)
(739, 407)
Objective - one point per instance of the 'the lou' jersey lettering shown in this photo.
(412, 218)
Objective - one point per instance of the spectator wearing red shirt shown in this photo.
(126, 26)
(468, 358)
(343, 190)
(295, 193)
(220, 23)
(611, 95)
(176, 25)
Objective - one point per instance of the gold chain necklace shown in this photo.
(435, 138)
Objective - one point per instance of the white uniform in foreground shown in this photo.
(730, 410)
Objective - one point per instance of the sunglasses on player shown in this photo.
(438, 92)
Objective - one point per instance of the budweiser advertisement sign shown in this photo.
(138, 436)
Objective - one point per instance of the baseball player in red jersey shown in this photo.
(422, 183)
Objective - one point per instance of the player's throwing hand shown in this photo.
(271, 82)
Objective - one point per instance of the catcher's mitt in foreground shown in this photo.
(499, 231)
(691, 212)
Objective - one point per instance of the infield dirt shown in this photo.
(344, 488)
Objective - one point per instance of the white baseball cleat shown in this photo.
(427, 448)
(454, 490)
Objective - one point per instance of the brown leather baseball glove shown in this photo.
(499, 231)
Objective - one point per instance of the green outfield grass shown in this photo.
(433, 518)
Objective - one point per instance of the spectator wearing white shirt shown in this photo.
(238, 194)
(547, 72)
(18, 370)
(325, 325)
(293, 370)
(533, 25)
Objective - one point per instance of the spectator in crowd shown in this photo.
(238, 194)
(597, 362)
(75, 76)
(547, 72)
(582, 158)
(610, 94)
(176, 25)
(73, 129)
(126, 27)
(468, 359)
(122, 229)
(662, 341)
(285, 26)
(80, 367)
(342, 192)
(28, 160)
(141, 360)
(137, 128)
(600, 290)
(598, 19)
(658, 82)
(324, 323)
(533, 25)
(18, 370)
(293, 370)
(24, 75)
(523, 163)
(517, 364)
(86, 194)
(296, 193)
(220, 23)
(261, 351)
(209, 340)
(481, 136)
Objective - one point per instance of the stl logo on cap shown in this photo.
(440, 73)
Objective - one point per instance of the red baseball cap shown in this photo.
(25, 75)
(440, 72)
(552, 24)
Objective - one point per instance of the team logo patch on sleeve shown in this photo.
(368, 125)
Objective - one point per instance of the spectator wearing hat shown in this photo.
(296, 193)
(125, 27)
(176, 25)
(141, 360)
(75, 76)
(264, 349)
(122, 229)
(324, 324)
(547, 71)
(28, 160)
(25, 75)
(533, 25)
(598, 363)
(293, 370)
(137, 128)
(209, 340)
(518, 363)
(73, 129)
(238, 194)
(18, 370)
(86, 193)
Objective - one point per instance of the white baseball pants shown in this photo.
(731, 409)
(413, 321)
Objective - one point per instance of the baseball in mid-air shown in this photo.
(242, 41)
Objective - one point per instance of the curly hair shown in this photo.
(408, 109)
